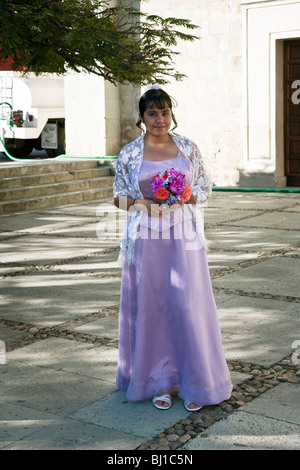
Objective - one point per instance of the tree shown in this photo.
(119, 43)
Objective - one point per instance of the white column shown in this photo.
(85, 114)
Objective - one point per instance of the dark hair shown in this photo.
(156, 98)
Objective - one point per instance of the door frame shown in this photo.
(290, 180)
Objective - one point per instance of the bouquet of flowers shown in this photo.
(168, 188)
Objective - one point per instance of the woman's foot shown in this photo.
(190, 406)
(162, 401)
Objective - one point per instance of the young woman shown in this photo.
(169, 335)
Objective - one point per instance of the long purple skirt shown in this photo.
(169, 335)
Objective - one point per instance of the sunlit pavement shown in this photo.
(59, 296)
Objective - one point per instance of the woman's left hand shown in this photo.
(178, 205)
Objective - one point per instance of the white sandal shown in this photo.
(166, 397)
(187, 403)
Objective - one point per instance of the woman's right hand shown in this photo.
(147, 205)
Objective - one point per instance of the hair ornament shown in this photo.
(153, 87)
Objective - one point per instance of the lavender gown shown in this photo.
(169, 335)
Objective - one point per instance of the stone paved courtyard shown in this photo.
(59, 296)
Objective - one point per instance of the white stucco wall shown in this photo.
(230, 104)
(210, 99)
(267, 24)
(85, 114)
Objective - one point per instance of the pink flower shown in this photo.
(168, 185)
(176, 186)
(156, 183)
(176, 174)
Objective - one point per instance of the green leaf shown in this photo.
(120, 43)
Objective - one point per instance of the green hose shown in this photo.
(258, 190)
(107, 157)
(8, 104)
(112, 157)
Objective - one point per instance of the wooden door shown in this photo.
(292, 111)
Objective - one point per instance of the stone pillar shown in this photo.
(112, 119)
(129, 112)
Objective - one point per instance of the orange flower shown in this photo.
(161, 194)
(186, 195)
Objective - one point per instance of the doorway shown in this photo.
(292, 111)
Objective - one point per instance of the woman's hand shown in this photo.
(148, 206)
(154, 209)
(177, 205)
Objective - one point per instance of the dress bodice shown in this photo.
(149, 168)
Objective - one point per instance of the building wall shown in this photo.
(230, 103)
(100, 117)
(266, 25)
(85, 114)
(210, 99)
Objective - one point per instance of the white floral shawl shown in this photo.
(126, 184)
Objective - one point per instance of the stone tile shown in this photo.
(7, 334)
(49, 298)
(70, 435)
(258, 330)
(48, 352)
(105, 264)
(271, 220)
(62, 354)
(35, 222)
(88, 209)
(269, 422)
(293, 209)
(281, 402)
(43, 249)
(245, 431)
(213, 215)
(107, 327)
(19, 422)
(229, 237)
(86, 230)
(25, 428)
(138, 418)
(6, 270)
(221, 260)
(53, 391)
(295, 252)
(240, 312)
(275, 276)
(251, 345)
(95, 362)
(107, 225)
(253, 201)
(222, 298)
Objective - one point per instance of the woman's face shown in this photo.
(157, 121)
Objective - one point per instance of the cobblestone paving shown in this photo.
(257, 379)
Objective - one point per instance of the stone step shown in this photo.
(25, 192)
(55, 200)
(41, 184)
(8, 170)
(55, 177)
